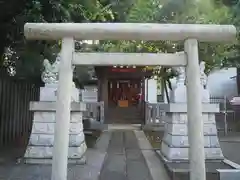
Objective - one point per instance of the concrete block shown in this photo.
(182, 141)
(49, 93)
(182, 129)
(181, 154)
(181, 118)
(182, 108)
(45, 152)
(48, 128)
(49, 106)
(48, 139)
(229, 174)
(48, 117)
(76, 139)
(76, 128)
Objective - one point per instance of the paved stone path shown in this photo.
(118, 159)
(90, 171)
(230, 145)
(124, 159)
(9, 170)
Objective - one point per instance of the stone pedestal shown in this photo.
(40, 147)
(49, 93)
(179, 94)
(175, 142)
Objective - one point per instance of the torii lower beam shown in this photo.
(190, 33)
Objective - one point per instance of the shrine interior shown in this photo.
(122, 89)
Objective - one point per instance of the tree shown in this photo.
(26, 56)
(182, 11)
(233, 60)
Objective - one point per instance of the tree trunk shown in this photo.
(3, 41)
(166, 91)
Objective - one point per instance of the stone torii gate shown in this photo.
(190, 33)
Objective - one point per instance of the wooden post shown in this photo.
(61, 131)
(194, 112)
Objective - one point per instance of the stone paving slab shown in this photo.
(137, 170)
(155, 165)
(124, 160)
(133, 154)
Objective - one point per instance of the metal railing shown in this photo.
(226, 119)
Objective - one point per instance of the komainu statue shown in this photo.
(50, 73)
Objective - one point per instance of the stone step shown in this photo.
(124, 111)
(124, 118)
(127, 115)
(124, 115)
(124, 127)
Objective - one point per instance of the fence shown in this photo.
(226, 119)
(15, 117)
(95, 110)
(153, 113)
